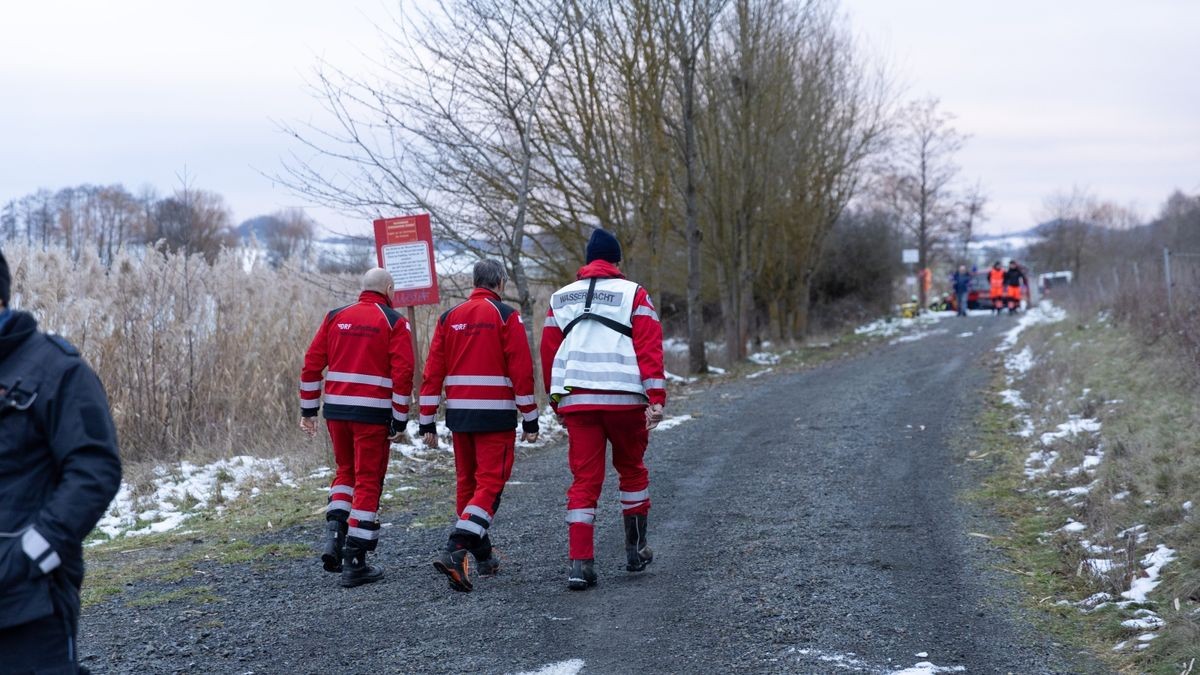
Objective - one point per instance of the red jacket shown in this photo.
(480, 353)
(647, 345)
(367, 348)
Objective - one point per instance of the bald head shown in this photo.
(377, 279)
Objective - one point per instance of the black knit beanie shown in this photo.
(5, 281)
(603, 246)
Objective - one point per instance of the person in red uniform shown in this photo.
(480, 354)
(996, 284)
(367, 348)
(602, 364)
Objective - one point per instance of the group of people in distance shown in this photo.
(1004, 287)
(602, 368)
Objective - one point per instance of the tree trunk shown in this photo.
(697, 362)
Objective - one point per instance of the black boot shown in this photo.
(582, 575)
(335, 539)
(637, 552)
(355, 570)
(453, 563)
(485, 559)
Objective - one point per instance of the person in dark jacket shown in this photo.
(59, 469)
(1014, 278)
(962, 288)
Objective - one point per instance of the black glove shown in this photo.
(530, 426)
(398, 427)
(430, 428)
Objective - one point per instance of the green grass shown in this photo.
(1148, 405)
(240, 535)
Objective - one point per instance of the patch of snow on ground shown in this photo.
(1152, 563)
(1073, 526)
(571, 667)
(1045, 312)
(927, 668)
(672, 422)
(919, 335)
(764, 358)
(678, 379)
(1019, 363)
(1013, 397)
(1072, 427)
(1146, 620)
(716, 371)
(1038, 463)
(966, 334)
(182, 491)
(759, 373)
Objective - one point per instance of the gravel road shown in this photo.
(804, 522)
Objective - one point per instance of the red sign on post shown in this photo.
(404, 247)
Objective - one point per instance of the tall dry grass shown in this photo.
(199, 360)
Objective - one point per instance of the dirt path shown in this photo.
(803, 523)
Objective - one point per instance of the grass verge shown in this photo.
(1129, 487)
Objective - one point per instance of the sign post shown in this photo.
(404, 247)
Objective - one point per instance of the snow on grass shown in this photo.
(1019, 363)
(1013, 398)
(1045, 312)
(672, 422)
(764, 358)
(1072, 427)
(571, 667)
(1073, 526)
(1152, 565)
(1039, 462)
(759, 373)
(715, 370)
(1144, 620)
(182, 491)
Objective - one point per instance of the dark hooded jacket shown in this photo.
(59, 470)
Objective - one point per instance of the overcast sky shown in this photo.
(1096, 93)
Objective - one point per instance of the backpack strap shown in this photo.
(587, 315)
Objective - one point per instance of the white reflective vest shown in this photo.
(597, 351)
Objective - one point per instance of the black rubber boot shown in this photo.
(335, 539)
(582, 575)
(355, 570)
(637, 552)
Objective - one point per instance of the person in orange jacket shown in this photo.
(996, 283)
(480, 354)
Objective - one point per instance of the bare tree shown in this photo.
(971, 212)
(687, 27)
(921, 180)
(448, 128)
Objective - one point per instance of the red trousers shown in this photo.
(483, 462)
(360, 451)
(589, 433)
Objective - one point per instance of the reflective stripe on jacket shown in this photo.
(594, 365)
(480, 355)
(367, 348)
